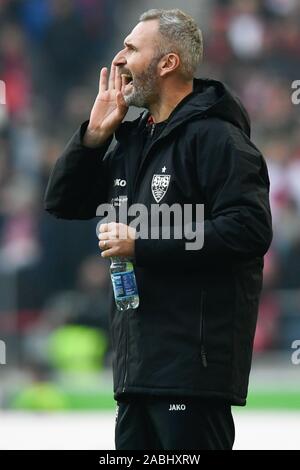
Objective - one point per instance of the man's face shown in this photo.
(138, 61)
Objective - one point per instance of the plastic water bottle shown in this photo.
(124, 283)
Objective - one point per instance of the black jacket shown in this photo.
(193, 331)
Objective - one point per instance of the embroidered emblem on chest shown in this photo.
(159, 186)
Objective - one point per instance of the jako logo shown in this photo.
(2, 353)
(296, 354)
(177, 407)
(119, 182)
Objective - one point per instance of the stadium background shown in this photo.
(53, 282)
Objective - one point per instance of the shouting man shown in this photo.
(182, 358)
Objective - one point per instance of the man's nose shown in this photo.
(119, 59)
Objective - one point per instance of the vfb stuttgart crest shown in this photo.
(159, 186)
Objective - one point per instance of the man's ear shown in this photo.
(169, 63)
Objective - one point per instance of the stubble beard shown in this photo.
(145, 87)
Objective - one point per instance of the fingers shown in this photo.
(109, 253)
(104, 236)
(107, 244)
(113, 231)
(103, 80)
(123, 83)
(112, 228)
(110, 248)
(104, 244)
(113, 235)
(114, 80)
(118, 80)
(116, 239)
(112, 77)
(103, 228)
(121, 103)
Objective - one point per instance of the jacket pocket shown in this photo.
(203, 354)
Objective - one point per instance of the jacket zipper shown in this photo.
(134, 186)
(202, 343)
(126, 353)
(162, 135)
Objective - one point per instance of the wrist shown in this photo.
(93, 137)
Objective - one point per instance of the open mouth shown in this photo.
(128, 79)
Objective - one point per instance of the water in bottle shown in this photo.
(124, 283)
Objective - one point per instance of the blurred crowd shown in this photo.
(51, 273)
(254, 46)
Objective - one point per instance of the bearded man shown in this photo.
(182, 358)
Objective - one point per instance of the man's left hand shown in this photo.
(116, 239)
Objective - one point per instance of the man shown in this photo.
(182, 358)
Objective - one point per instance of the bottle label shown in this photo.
(124, 285)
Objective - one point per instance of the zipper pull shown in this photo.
(152, 129)
(203, 356)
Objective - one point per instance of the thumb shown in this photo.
(121, 103)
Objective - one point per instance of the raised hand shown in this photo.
(109, 108)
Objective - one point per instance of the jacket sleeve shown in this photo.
(233, 177)
(78, 182)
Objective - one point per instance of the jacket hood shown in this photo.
(213, 99)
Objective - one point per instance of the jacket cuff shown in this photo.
(78, 140)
